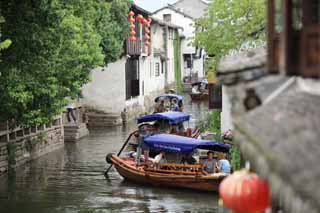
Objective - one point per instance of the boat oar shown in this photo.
(120, 151)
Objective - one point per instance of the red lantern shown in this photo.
(132, 33)
(146, 37)
(147, 44)
(147, 31)
(131, 20)
(144, 22)
(132, 26)
(139, 18)
(131, 13)
(149, 20)
(245, 192)
(133, 38)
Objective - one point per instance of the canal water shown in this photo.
(71, 180)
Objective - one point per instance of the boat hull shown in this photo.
(199, 97)
(131, 173)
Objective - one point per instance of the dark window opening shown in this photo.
(315, 6)
(132, 78)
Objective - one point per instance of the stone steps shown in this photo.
(73, 132)
(104, 120)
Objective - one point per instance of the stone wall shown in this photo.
(20, 145)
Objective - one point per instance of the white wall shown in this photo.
(106, 91)
(189, 33)
(185, 22)
(226, 119)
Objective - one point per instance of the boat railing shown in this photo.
(174, 168)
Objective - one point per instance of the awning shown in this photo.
(174, 143)
(172, 117)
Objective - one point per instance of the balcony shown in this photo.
(133, 47)
(137, 48)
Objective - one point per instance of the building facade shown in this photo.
(130, 84)
(183, 13)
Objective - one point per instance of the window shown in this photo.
(162, 67)
(278, 17)
(296, 15)
(167, 17)
(132, 78)
(157, 69)
(315, 5)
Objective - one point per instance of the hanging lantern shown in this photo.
(131, 20)
(139, 18)
(147, 44)
(132, 26)
(133, 38)
(131, 13)
(149, 20)
(144, 22)
(132, 33)
(245, 192)
(147, 31)
(146, 37)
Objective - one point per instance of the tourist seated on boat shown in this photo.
(174, 105)
(195, 90)
(160, 158)
(188, 159)
(173, 129)
(160, 107)
(223, 165)
(209, 164)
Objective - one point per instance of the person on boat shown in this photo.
(209, 165)
(223, 165)
(173, 129)
(188, 159)
(195, 90)
(160, 107)
(160, 158)
(174, 106)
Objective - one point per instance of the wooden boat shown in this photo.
(199, 96)
(171, 174)
(203, 94)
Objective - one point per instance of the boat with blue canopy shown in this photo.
(169, 96)
(175, 143)
(166, 119)
(170, 174)
(171, 117)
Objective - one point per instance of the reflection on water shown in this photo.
(71, 180)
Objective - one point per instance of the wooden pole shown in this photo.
(120, 151)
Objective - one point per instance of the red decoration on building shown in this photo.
(131, 13)
(132, 27)
(139, 18)
(245, 192)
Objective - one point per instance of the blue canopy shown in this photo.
(172, 117)
(170, 96)
(174, 143)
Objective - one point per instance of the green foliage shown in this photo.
(235, 158)
(214, 123)
(229, 24)
(55, 44)
(177, 61)
(7, 42)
